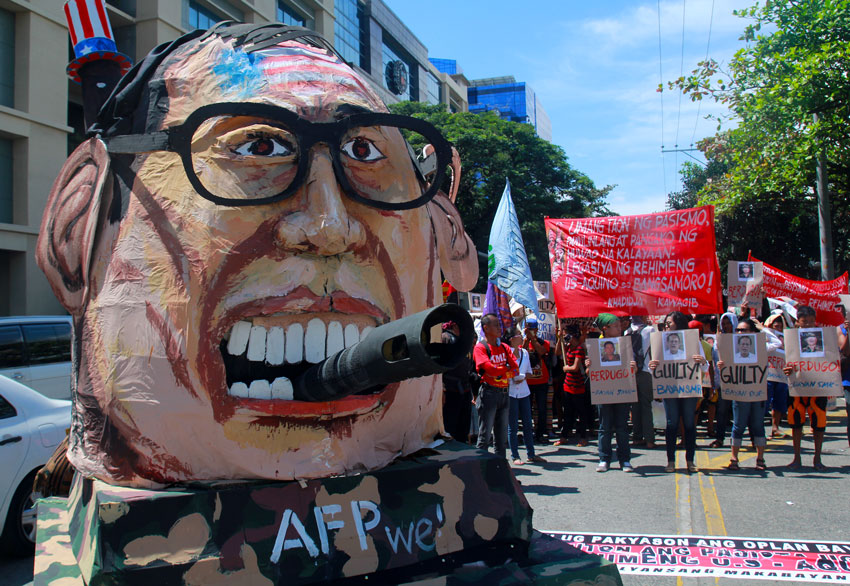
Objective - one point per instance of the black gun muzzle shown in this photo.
(393, 352)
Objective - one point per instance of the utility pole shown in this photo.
(824, 215)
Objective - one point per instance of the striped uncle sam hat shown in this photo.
(91, 35)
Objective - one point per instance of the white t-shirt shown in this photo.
(518, 387)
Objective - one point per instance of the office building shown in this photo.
(513, 100)
(41, 117)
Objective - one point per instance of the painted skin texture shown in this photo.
(163, 287)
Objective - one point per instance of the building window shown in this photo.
(398, 76)
(433, 96)
(201, 17)
(6, 181)
(7, 58)
(347, 27)
(288, 15)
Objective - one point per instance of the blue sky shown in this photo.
(595, 68)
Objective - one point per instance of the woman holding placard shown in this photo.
(746, 414)
(680, 408)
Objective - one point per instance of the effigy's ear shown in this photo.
(69, 225)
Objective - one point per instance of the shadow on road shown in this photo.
(548, 489)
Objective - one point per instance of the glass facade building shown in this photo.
(288, 16)
(513, 100)
(445, 65)
(348, 36)
(7, 58)
(201, 17)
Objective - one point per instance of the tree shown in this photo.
(774, 87)
(542, 181)
(767, 226)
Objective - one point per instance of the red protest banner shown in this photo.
(821, 295)
(635, 265)
(754, 558)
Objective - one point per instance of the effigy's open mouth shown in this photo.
(264, 355)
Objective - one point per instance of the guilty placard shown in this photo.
(677, 375)
(743, 376)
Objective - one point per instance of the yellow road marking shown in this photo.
(710, 503)
(747, 452)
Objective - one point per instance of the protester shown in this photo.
(728, 323)
(457, 390)
(538, 380)
(613, 417)
(682, 408)
(814, 407)
(747, 414)
(559, 403)
(777, 392)
(574, 388)
(519, 400)
(496, 365)
(643, 430)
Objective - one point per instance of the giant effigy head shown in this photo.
(244, 208)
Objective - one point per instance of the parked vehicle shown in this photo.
(31, 426)
(36, 351)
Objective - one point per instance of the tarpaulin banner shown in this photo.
(823, 296)
(635, 265)
(727, 557)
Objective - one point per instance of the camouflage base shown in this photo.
(454, 512)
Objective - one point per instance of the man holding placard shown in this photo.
(814, 374)
(613, 389)
(743, 372)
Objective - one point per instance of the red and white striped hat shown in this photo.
(91, 35)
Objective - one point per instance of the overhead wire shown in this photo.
(707, 48)
(661, 95)
(681, 74)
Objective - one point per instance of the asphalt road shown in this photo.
(567, 494)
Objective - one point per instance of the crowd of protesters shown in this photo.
(496, 392)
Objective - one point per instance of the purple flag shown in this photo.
(498, 302)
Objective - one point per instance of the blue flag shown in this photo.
(507, 262)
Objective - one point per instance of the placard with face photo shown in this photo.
(811, 342)
(674, 346)
(609, 352)
(813, 352)
(610, 372)
(744, 283)
(711, 339)
(743, 376)
(677, 375)
(475, 301)
(746, 349)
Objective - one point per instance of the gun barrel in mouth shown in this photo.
(406, 348)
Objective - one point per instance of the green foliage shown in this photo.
(770, 227)
(542, 181)
(788, 91)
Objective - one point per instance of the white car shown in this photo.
(36, 351)
(31, 426)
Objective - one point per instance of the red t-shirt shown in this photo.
(574, 380)
(496, 369)
(540, 373)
